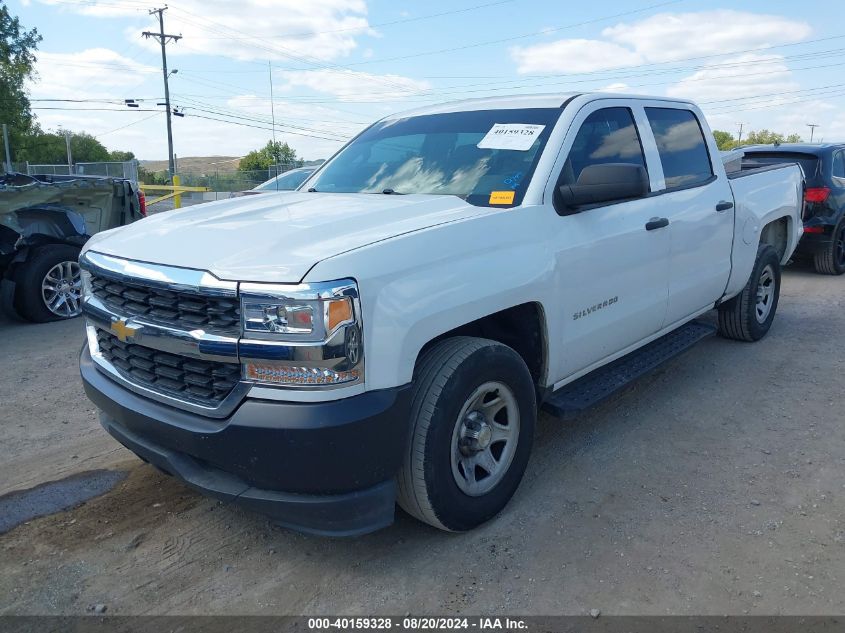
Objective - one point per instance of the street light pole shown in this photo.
(163, 39)
(812, 127)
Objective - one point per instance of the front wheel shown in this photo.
(749, 315)
(473, 412)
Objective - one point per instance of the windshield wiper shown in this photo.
(312, 190)
(391, 192)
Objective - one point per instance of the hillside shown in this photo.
(196, 164)
(203, 164)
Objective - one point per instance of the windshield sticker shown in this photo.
(514, 136)
(513, 181)
(501, 197)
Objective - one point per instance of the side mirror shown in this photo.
(605, 183)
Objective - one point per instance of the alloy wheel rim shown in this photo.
(61, 289)
(840, 246)
(765, 294)
(485, 438)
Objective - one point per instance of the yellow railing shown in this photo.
(176, 190)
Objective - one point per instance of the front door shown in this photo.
(612, 272)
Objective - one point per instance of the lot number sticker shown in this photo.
(515, 136)
(501, 197)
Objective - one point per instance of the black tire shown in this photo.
(738, 318)
(446, 375)
(29, 300)
(831, 261)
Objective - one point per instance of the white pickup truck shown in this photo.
(388, 332)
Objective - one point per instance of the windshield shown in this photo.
(486, 157)
(285, 182)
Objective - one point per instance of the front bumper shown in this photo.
(324, 468)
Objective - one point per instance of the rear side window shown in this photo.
(608, 135)
(681, 145)
(839, 165)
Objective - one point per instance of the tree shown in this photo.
(50, 148)
(121, 157)
(724, 140)
(274, 153)
(765, 137)
(17, 63)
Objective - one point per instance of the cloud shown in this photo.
(91, 73)
(282, 30)
(661, 38)
(352, 86)
(745, 75)
(573, 56)
(618, 86)
(667, 36)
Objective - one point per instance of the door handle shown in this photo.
(724, 205)
(656, 223)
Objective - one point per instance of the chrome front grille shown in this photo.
(170, 334)
(205, 382)
(174, 308)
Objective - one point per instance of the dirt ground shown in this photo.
(716, 485)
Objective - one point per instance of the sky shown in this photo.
(338, 65)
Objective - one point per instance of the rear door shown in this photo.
(697, 200)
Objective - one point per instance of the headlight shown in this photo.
(303, 335)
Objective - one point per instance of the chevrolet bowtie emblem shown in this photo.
(122, 331)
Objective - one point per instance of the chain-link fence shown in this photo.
(127, 170)
(225, 181)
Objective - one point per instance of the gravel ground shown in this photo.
(712, 486)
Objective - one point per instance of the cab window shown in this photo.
(607, 136)
(681, 146)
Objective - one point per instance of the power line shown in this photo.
(122, 127)
(199, 116)
(514, 37)
(381, 24)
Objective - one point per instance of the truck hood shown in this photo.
(276, 237)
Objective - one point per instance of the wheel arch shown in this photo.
(522, 327)
(779, 233)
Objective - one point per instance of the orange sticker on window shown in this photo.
(501, 197)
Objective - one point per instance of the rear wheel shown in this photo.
(831, 261)
(49, 285)
(473, 424)
(749, 315)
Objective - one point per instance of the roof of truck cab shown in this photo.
(509, 102)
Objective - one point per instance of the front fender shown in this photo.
(418, 286)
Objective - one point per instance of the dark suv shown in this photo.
(824, 197)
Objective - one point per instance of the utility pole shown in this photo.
(739, 138)
(69, 155)
(812, 127)
(163, 38)
(8, 154)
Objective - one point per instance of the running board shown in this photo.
(603, 382)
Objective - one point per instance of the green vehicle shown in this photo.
(44, 221)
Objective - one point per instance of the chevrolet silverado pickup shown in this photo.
(388, 332)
